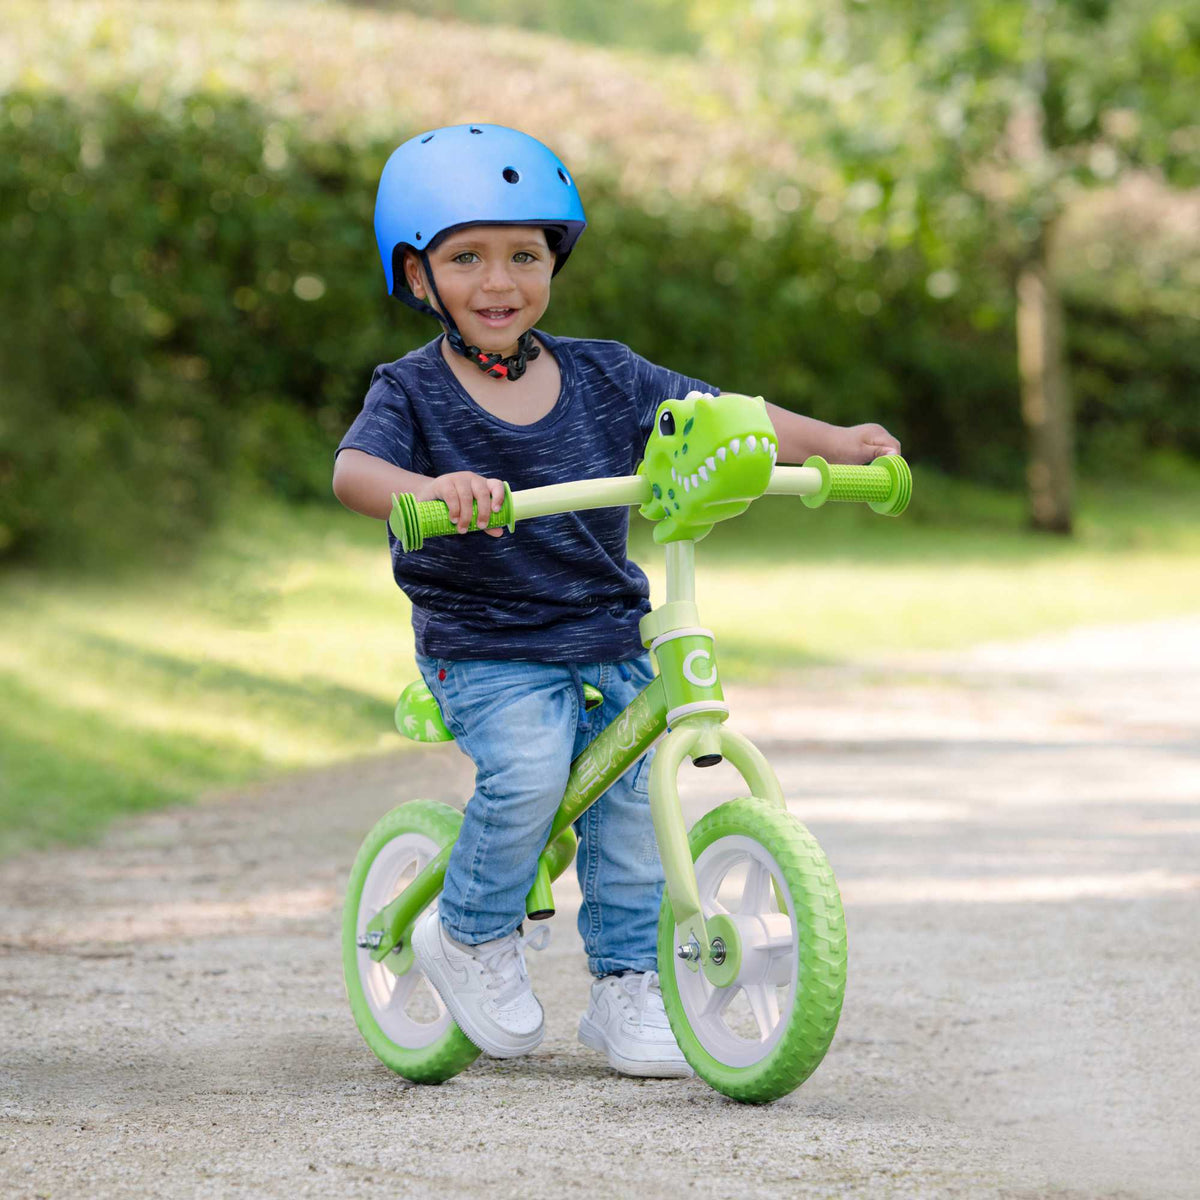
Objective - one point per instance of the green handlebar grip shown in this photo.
(885, 484)
(413, 520)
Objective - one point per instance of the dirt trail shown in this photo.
(1016, 832)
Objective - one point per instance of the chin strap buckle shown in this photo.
(497, 365)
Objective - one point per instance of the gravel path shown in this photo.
(1016, 833)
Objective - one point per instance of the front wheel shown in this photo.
(756, 1026)
(401, 1017)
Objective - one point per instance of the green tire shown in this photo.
(798, 990)
(424, 1051)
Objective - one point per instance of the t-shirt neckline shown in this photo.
(561, 404)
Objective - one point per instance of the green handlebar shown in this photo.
(885, 485)
(413, 520)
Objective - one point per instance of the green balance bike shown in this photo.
(752, 938)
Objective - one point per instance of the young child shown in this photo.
(472, 224)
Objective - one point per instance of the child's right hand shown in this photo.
(460, 489)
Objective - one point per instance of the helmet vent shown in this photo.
(512, 176)
(427, 138)
(563, 176)
(476, 129)
(418, 237)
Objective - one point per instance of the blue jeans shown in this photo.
(522, 723)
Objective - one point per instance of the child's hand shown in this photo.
(460, 488)
(860, 444)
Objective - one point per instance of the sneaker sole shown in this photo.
(471, 1031)
(594, 1039)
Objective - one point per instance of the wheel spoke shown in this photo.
(765, 1007)
(438, 1003)
(717, 1000)
(412, 868)
(402, 992)
(757, 893)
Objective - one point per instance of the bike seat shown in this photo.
(418, 715)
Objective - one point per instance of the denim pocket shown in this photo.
(641, 775)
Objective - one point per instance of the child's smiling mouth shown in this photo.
(495, 316)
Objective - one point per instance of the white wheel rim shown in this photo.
(406, 1007)
(741, 1024)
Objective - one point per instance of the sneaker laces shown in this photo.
(641, 991)
(506, 957)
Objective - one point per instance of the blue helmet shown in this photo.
(472, 175)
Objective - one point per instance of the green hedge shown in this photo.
(192, 297)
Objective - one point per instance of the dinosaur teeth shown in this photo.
(751, 442)
(721, 453)
(712, 463)
(695, 481)
(735, 445)
(704, 474)
(687, 484)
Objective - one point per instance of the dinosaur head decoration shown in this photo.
(707, 459)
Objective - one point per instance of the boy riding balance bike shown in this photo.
(532, 649)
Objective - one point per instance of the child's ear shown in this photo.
(414, 274)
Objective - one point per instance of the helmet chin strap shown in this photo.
(498, 366)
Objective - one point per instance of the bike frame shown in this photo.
(685, 702)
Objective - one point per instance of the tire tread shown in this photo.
(453, 1051)
(821, 976)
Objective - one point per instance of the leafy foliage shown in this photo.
(194, 298)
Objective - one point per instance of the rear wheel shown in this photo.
(401, 1017)
(758, 1024)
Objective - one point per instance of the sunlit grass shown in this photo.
(285, 644)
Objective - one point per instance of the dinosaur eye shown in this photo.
(666, 423)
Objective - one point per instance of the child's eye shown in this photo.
(465, 257)
(523, 256)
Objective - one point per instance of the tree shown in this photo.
(977, 122)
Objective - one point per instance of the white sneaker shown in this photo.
(626, 1019)
(485, 987)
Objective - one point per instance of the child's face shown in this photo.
(494, 279)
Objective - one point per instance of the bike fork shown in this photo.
(694, 739)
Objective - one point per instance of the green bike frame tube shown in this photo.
(607, 757)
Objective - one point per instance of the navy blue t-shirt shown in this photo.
(559, 588)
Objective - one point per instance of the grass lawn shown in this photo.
(285, 643)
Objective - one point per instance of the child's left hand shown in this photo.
(864, 443)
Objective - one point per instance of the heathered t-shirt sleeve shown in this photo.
(653, 384)
(384, 428)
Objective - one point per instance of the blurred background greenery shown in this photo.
(975, 222)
